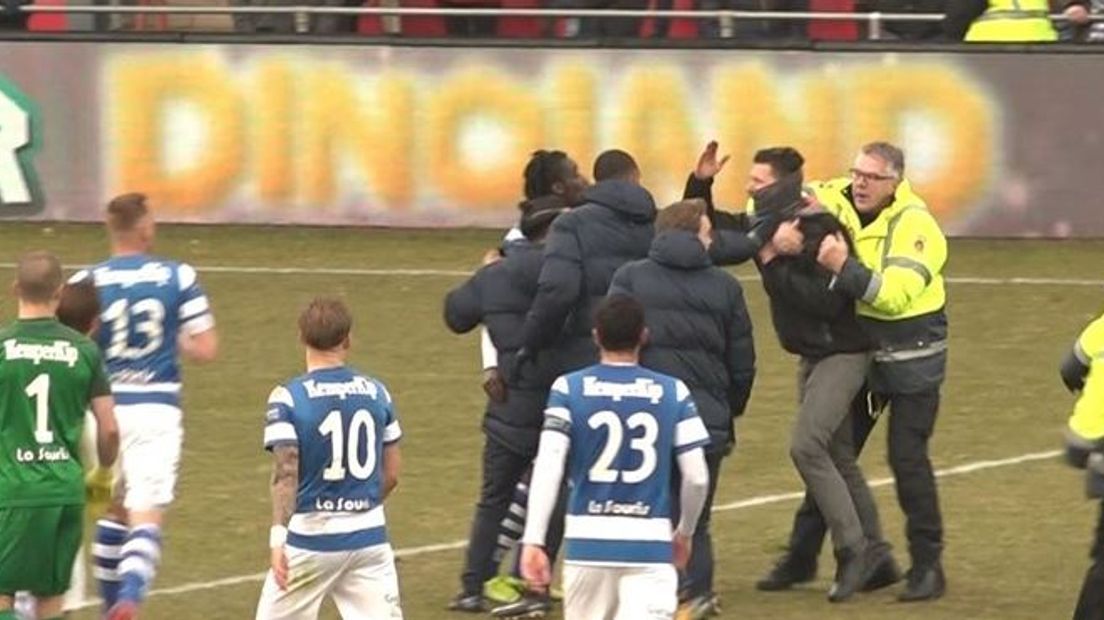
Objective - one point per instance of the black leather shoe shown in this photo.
(788, 572)
(924, 584)
(885, 573)
(852, 569)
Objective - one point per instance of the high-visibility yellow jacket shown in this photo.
(900, 255)
(1086, 425)
(1013, 21)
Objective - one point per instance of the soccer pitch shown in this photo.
(1018, 527)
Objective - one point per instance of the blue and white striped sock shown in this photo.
(107, 550)
(141, 555)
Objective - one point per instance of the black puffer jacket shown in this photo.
(499, 296)
(584, 248)
(699, 325)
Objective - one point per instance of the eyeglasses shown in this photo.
(859, 175)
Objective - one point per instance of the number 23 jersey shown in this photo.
(626, 426)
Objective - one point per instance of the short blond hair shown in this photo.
(683, 215)
(38, 277)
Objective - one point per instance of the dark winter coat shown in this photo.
(498, 296)
(583, 250)
(699, 326)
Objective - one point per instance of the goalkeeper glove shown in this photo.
(97, 489)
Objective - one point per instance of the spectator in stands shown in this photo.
(609, 27)
(1079, 27)
(11, 17)
(282, 23)
(917, 30)
(754, 28)
(1005, 21)
(470, 25)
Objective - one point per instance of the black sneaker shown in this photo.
(924, 584)
(788, 572)
(468, 603)
(531, 605)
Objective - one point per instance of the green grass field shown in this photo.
(1017, 534)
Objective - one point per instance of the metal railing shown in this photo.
(875, 20)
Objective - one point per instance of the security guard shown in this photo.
(1082, 373)
(896, 276)
(1013, 21)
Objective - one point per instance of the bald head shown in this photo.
(38, 278)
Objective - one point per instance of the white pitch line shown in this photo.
(457, 273)
(762, 500)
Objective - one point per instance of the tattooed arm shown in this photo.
(285, 484)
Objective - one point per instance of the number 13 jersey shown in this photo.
(626, 425)
(340, 420)
(145, 304)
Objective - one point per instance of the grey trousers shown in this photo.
(822, 448)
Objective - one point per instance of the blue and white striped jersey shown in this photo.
(625, 426)
(340, 420)
(145, 304)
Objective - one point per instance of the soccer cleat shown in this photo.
(468, 603)
(924, 584)
(503, 589)
(530, 605)
(699, 608)
(123, 610)
(788, 572)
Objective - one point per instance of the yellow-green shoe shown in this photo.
(503, 589)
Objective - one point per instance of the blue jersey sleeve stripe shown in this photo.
(688, 447)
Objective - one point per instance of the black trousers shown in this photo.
(502, 469)
(1090, 605)
(809, 527)
(698, 579)
(911, 423)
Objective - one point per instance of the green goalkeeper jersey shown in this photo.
(48, 376)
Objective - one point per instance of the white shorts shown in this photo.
(363, 584)
(646, 592)
(149, 449)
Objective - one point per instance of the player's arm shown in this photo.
(102, 404)
(201, 348)
(198, 340)
(107, 430)
(691, 437)
(285, 482)
(392, 460)
(544, 485)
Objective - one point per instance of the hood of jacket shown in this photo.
(624, 197)
(680, 249)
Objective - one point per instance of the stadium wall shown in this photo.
(1001, 144)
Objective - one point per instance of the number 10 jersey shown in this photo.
(626, 426)
(340, 420)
